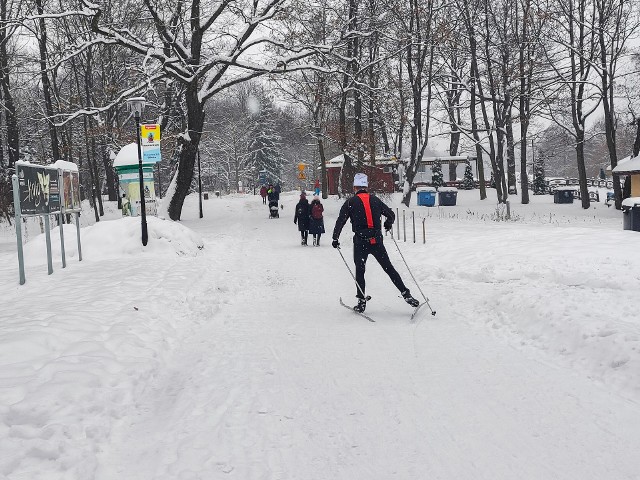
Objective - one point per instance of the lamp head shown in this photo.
(136, 105)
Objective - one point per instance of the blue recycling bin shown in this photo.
(426, 196)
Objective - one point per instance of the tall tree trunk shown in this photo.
(473, 81)
(46, 84)
(582, 171)
(10, 115)
(188, 150)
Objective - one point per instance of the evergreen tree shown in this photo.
(539, 184)
(437, 179)
(265, 143)
(467, 181)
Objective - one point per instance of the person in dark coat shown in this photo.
(263, 194)
(272, 194)
(316, 220)
(364, 211)
(301, 217)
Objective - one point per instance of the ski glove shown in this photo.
(335, 243)
(388, 225)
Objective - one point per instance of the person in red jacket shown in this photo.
(263, 194)
(364, 211)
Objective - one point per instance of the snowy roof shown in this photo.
(338, 160)
(628, 165)
(64, 165)
(128, 155)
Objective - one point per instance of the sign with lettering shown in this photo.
(70, 191)
(39, 189)
(150, 141)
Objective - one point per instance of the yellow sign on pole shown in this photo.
(301, 167)
(302, 176)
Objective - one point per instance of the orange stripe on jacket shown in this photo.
(366, 202)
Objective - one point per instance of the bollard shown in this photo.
(404, 227)
(424, 232)
(413, 219)
(398, 222)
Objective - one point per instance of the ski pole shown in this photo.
(353, 276)
(433, 312)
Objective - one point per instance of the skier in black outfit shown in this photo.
(365, 210)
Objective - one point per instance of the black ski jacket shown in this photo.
(354, 209)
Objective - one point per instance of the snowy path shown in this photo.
(274, 380)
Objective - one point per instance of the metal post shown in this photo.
(143, 209)
(160, 180)
(199, 184)
(398, 223)
(404, 227)
(78, 235)
(413, 218)
(16, 207)
(64, 257)
(424, 232)
(47, 232)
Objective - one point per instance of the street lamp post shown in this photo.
(136, 105)
(199, 184)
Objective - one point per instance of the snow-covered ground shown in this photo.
(236, 361)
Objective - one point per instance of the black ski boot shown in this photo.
(409, 299)
(315, 242)
(362, 304)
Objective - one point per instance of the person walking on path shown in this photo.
(317, 188)
(263, 194)
(316, 220)
(301, 217)
(272, 194)
(364, 211)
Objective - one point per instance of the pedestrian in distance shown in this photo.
(263, 194)
(272, 194)
(365, 211)
(317, 188)
(316, 220)
(301, 217)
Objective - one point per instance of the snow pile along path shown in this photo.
(78, 345)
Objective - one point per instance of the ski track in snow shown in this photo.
(240, 363)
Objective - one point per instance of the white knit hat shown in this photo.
(360, 180)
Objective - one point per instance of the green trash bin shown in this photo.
(563, 195)
(447, 196)
(631, 214)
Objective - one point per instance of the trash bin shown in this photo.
(447, 196)
(563, 195)
(205, 195)
(426, 196)
(631, 214)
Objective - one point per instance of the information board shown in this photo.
(39, 189)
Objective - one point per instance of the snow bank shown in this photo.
(116, 239)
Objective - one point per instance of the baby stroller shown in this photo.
(273, 209)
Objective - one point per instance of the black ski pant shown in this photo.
(362, 247)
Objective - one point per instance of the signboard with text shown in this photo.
(70, 191)
(39, 189)
(150, 141)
